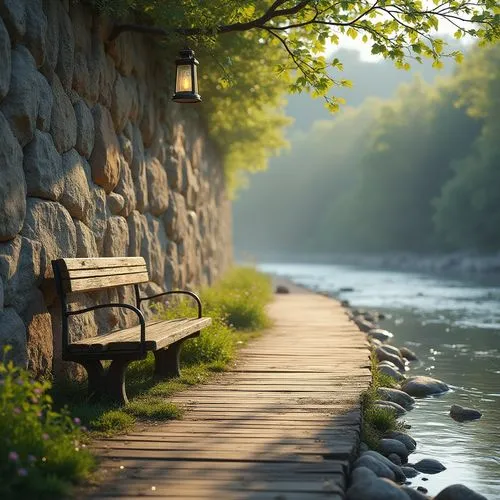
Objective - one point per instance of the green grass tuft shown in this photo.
(151, 407)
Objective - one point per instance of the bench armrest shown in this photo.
(139, 313)
(181, 292)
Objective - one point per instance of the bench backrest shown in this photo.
(85, 275)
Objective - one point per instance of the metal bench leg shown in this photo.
(95, 375)
(167, 361)
(115, 381)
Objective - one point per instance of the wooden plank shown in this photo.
(100, 282)
(109, 271)
(99, 262)
(159, 334)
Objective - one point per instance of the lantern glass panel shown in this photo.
(195, 79)
(184, 82)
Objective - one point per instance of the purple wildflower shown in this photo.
(13, 456)
(22, 472)
(37, 390)
(77, 421)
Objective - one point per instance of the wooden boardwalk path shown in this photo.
(282, 424)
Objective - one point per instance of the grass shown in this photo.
(376, 420)
(237, 307)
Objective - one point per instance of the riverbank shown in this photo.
(452, 327)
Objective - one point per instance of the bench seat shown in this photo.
(159, 334)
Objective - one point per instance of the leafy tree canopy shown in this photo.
(263, 48)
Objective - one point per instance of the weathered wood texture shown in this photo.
(283, 424)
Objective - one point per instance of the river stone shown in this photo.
(429, 466)
(407, 440)
(383, 355)
(461, 414)
(392, 350)
(400, 477)
(157, 186)
(409, 472)
(13, 333)
(21, 269)
(76, 197)
(409, 355)
(85, 241)
(380, 334)
(393, 407)
(43, 168)
(396, 396)
(458, 492)
(125, 188)
(389, 446)
(390, 371)
(369, 488)
(363, 325)
(12, 183)
(395, 459)
(380, 469)
(50, 224)
(117, 239)
(105, 159)
(36, 24)
(392, 365)
(421, 386)
(13, 13)
(414, 494)
(5, 61)
(63, 121)
(85, 133)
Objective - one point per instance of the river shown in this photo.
(452, 323)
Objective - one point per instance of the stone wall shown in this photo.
(95, 160)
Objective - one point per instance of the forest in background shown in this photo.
(417, 172)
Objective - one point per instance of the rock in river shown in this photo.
(409, 472)
(461, 414)
(400, 477)
(429, 466)
(384, 355)
(421, 386)
(376, 466)
(367, 486)
(407, 440)
(380, 334)
(458, 492)
(393, 407)
(390, 446)
(390, 371)
(396, 396)
(409, 355)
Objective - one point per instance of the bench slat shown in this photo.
(115, 271)
(159, 334)
(102, 262)
(99, 282)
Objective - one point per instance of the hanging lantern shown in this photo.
(186, 78)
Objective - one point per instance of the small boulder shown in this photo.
(384, 355)
(392, 350)
(379, 468)
(407, 440)
(409, 472)
(414, 494)
(409, 355)
(429, 466)
(421, 386)
(389, 405)
(367, 487)
(458, 492)
(380, 334)
(461, 414)
(363, 325)
(400, 477)
(392, 365)
(396, 396)
(282, 289)
(389, 446)
(345, 303)
(395, 459)
(391, 372)
(346, 289)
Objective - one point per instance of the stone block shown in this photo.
(76, 197)
(13, 13)
(63, 122)
(43, 168)
(98, 215)
(85, 133)
(120, 104)
(158, 243)
(50, 224)
(45, 103)
(36, 30)
(13, 333)
(125, 188)
(157, 186)
(134, 222)
(85, 240)
(66, 53)
(51, 10)
(12, 183)
(116, 241)
(138, 169)
(105, 160)
(5, 61)
(116, 203)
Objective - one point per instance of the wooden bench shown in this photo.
(163, 337)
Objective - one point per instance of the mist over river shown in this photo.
(452, 323)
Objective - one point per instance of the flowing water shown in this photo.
(453, 325)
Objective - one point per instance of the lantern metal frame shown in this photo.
(186, 58)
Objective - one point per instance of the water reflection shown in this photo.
(453, 325)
